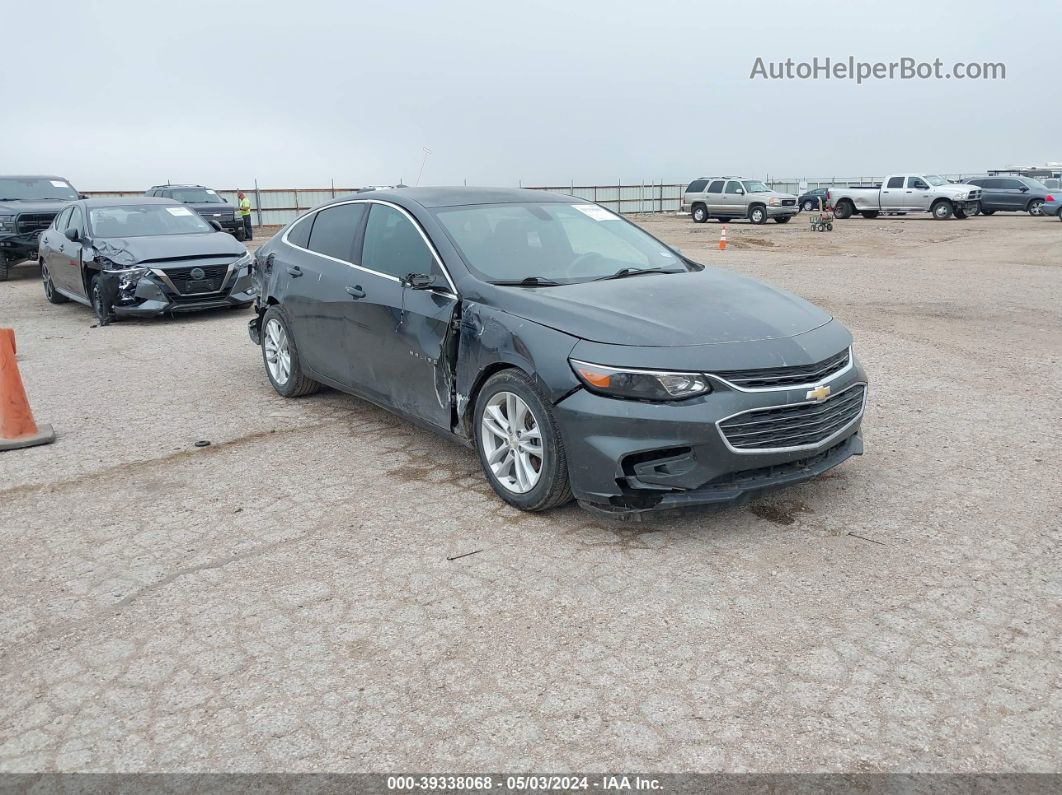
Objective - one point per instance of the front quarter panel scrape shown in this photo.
(489, 338)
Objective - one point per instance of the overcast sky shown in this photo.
(123, 95)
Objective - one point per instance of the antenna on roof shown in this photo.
(427, 152)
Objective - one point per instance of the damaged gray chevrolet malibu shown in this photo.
(577, 354)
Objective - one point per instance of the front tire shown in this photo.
(960, 213)
(700, 214)
(4, 266)
(758, 215)
(281, 357)
(782, 219)
(240, 234)
(104, 315)
(53, 296)
(519, 444)
(987, 212)
(943, 210)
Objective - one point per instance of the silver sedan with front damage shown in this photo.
(140, 258)
(578, 355)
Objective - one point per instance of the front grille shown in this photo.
(213, 277)
(787, 376)
(975, 194)
(798, 425)
(762, 476)
(27, 223)
(217, 215)
(788, 202)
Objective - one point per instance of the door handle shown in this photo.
(295, 271)
(910, 191)
(356, 292)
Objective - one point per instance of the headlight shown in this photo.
(640, 384)
(774, 201)
(7, 223)
(242, 265)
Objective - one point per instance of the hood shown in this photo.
(134, 250)
(779, 194)
(709, 307)
(34, 206)
(210, 210)
(956, 189)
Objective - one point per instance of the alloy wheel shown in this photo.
(48, 288)
(1036, 207)
(512, 442)
(277, 352)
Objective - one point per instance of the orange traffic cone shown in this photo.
(722, 239)
(17, 428)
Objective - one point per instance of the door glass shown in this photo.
(895, 182)
(716, 187)
(76, 221)
(915, 182)
(299, 234)
(1012, 184)
(733, 186)
(334, 229)
(393, 245)
(60, 220)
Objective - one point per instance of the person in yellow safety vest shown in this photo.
(245, 211)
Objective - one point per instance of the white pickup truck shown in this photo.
(900, 194)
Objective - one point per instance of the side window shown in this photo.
(334, 229)
(76, 221)
(59, 224)
(716, 187)
(895, 182)
(916, 182)
(696, 186)
(733, 186)
(393, 245)
(1012, 184)
(299, 234)
(992, 184)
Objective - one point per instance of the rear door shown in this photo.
(713, 197)
(892, 194)
(312, 272)
(992, 196)
(405, 365)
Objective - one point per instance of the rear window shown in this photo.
(334, 229)
(696, 186)
(299, 233)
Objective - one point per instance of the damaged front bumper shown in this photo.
(146, 293)
(627, 456)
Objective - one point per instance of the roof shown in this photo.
(125, 201)
(33, 176)
(459, 196)
(175, 185)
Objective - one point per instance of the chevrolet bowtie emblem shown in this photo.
(818, 393)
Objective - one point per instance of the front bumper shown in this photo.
(775, 212)
(628, 456)
(20, 246)
(152, 297)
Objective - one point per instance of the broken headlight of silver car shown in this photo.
(640, 384)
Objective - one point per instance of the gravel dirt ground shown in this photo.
(282, 599)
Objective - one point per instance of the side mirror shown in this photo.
(419, 281)
(1024, 188)
(82, 196)
(217, 226)
(71, 235)
(741, 191)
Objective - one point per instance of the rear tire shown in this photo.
(942, 210)
(278, 344)
(1035, 207)
(758, 214)
(552, 487)
(53, 296)
(700, 214)
(843, 209)
(809, 205)
(870, 214)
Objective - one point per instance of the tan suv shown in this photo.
(726, 198)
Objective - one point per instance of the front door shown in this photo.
(66, 272)
(734, 199)
(917, 195)
(405, 366)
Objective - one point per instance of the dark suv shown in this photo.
(27, 207)
(205, 201)
(1011, 194)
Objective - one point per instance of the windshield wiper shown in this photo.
(530, 281)
(623, 273)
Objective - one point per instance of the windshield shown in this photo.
(35, 189)
(755, 186)
(934, 180)
(557, 243)
(196, 196)
(131, 220)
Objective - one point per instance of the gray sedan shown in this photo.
(578, 355)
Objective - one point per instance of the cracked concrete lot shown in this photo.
(282, 600)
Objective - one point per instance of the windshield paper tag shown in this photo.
(58, 183)
(595, 212)
(178, 211)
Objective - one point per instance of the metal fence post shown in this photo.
(258, 202)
